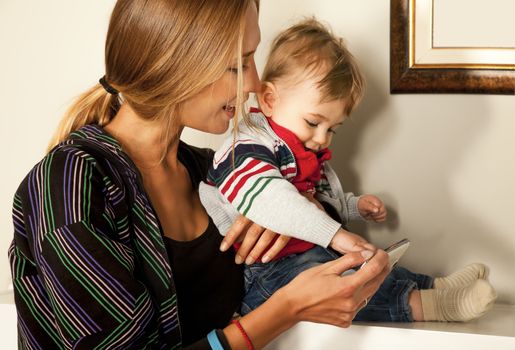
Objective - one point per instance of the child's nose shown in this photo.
(320, 139)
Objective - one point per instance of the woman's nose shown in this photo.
(251, 82)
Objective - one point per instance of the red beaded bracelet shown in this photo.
(244, 334)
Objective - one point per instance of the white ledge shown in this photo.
(494, 331)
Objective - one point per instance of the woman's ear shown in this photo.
(267, 98)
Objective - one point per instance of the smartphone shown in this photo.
(395, 252)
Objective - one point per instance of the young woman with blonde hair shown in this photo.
(112, 248)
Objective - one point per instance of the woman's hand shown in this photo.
(254, 241)
(322, 295)
(319, 294)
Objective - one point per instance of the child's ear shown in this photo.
(267, 98)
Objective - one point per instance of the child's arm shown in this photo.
(224, 215)
(255, 187)
(343, 241)
(348, 206)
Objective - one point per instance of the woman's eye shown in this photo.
(332, 131)
(235, 69)
(312, 125)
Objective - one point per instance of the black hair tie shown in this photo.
(107, 87)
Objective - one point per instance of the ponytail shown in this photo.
(95, 106)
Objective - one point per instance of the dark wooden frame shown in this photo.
(406, 79)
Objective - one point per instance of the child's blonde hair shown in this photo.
(312, 47)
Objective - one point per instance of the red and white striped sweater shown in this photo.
(254, 175)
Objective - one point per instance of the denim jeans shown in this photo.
(390, 303)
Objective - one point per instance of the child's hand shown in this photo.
(372, 208)
(346, 242)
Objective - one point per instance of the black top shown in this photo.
(90, 266)
(208, 283)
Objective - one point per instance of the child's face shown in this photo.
(297, 107)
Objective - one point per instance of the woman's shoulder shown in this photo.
(69, 185)
(58, 167)
(67, 163)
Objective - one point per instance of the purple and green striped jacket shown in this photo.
(88, 261)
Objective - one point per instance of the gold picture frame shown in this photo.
(493, 74)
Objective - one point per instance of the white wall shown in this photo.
(444, 164)
(50, 52)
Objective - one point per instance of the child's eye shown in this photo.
(311, 125)
(332, 131)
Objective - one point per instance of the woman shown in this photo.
(103, 220)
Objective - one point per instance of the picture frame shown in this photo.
(443, 69)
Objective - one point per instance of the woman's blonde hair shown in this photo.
(158, 54)
(312, 48)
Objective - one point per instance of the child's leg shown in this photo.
(391, 303)
(415, 302)
(262, 280)
(455, 304)
(405, 296)
(463, 277)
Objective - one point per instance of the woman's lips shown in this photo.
(229, 110)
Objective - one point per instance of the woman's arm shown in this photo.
(74, 278)
(303, 299)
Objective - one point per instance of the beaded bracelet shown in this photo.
(244, 334)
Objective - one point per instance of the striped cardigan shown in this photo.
(88, 261)
(250, 176)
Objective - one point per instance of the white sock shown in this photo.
(458, 304)
(462, 278)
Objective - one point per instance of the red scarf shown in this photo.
(309, 163)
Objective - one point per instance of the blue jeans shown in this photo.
(390, 303)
